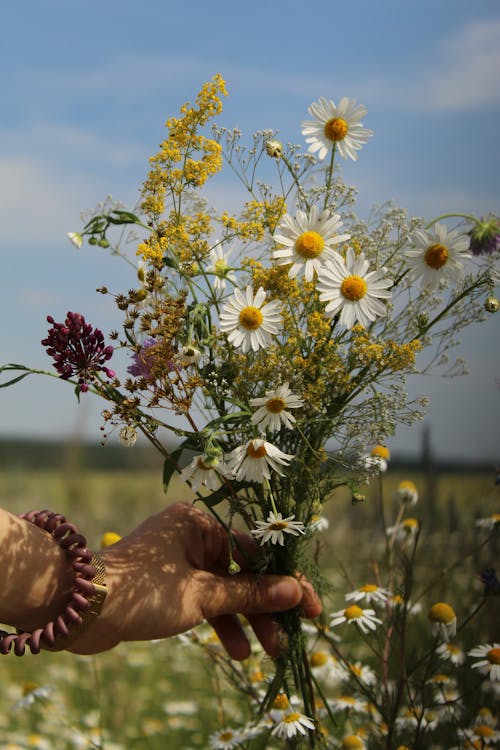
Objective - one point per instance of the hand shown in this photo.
(171, 573)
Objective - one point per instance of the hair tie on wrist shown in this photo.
(87, 597)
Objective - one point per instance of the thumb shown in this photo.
(248, 594)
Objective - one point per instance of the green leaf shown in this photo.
(14, 380)
(122, 217)
(169, 466)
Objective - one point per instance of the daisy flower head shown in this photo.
(450, 652)
(443, 621)
(352, 742)
(490, 522)
(292, 724)
(308, 240)
(482, 735)
(225, 739)
(437, 256)
(272, 411)
(254, 460)
(406, 493)
(489, 655)
(325, 667)
(275, 528)
(249, 320)
(336, 126)
(370, 592)
(349, 288)
(219, 266)
(206, 471)
(404, 532)
(365, 619)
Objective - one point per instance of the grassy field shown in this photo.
(140, 695)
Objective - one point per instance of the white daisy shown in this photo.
(347, 286)
(352, 742)
(253, 460)
(347, 702)
(490, 522)
(308, 241)
(404, 532)
(370, 592)
(443, 621)
(489, 653)
(436, 256)
(450, 652)
(340, 126)
(291, 724)
(325, 667)
(225, 739)
(482, 735)
(249, 320)
(360, 672)
(219, 265)
(406, 493)
(205, 470)
(275, 528)
(364, 618)
(272, 413)
(75, 238)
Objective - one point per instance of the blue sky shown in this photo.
(87, 86)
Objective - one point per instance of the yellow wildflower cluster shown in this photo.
(242, 228)
(275, 279)
(386, 355)
(267, 213)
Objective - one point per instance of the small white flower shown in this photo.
(351, 290)
(219, 265)
(291, 724)
(437, 256)
(225, 739)
(490, 522)
(370, 592)
(249, 320)
(365, 619)
(308, 241)
(189, 355)
(205, 470)
(75, 238)
(33, 693)
(406, 493)
(253, 460)
(343, 702)
(272, 412)
(275, 528)
(443, 621)
(336, 125)
(128, 436)
(404, 532)
(318, 523)
(450, 652)
(360, 672)
(325, 667)
(489, 654)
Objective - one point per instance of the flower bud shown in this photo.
(274, 149)
(128, 436)
(491, 304)
(103, 242)
(75, 238)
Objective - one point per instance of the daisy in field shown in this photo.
(254, 460)
(272, 408)
(437, 256)
(225, 739)
(350, 289)
(489, 655)
(250, 321)
(364, 618)
(443, 621)
(336, 126)
(450, 652)
(204, 470)
(308, 241)
(370, 592)
(292, 724)
(219, 265)
(275, 528)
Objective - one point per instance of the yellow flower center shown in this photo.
(281, 702)
(382, 452)
(253, 452)
(309, 245)
(410, 523)
(353, 612)
(407, 485)
(290, 718)
(318, 658)
(278, 525)
(336, 129)
(351, 742)
(355, 670)
(275, 405)
(440, 679)
(368, 588)
(250, 318)
(220, 267)
(436, 256)
(442, 612)
(495, 517)
(493, 656)
(353, 288)
(483, 730)
(226, 736)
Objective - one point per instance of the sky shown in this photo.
(86, 88)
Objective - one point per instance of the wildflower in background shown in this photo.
(253, 460)
(32, 692)
(482, 735)
(492, 304)
(450, 652)
(437, 256)
(272, 412)
(489, 654)
(485, 236)
(336, 125)
(309, 240)
(490, 522)
(128, 436)
(275, 528)
(75, 238)
(365, 619)
(188, 355)
(486, 716)
(219, 265)
(318, 523)
(109, 538)
(348, 703)
(77, 349)
(404, 532)
(490, 580)
(370, 592)
(249, 321)
(443, 621)
(352, 742)
(406, 493)
(325, 667)
(142, 360)
(225, 739)
(205, 470)
(349, 289)
(361, 672)
(291, 724)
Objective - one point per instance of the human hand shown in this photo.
(171, 573)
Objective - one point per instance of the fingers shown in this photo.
(232, 636)
(247, 593)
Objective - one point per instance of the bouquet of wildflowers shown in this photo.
(273, 344)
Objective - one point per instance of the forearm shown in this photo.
(36, 574)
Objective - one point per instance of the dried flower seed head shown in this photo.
(274, 149)
(492, 304)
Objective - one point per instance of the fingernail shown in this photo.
(284, 593)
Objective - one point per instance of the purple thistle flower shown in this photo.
(77, 349)
(485, 236)
(145, 359)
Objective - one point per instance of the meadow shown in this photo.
(139, 696)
